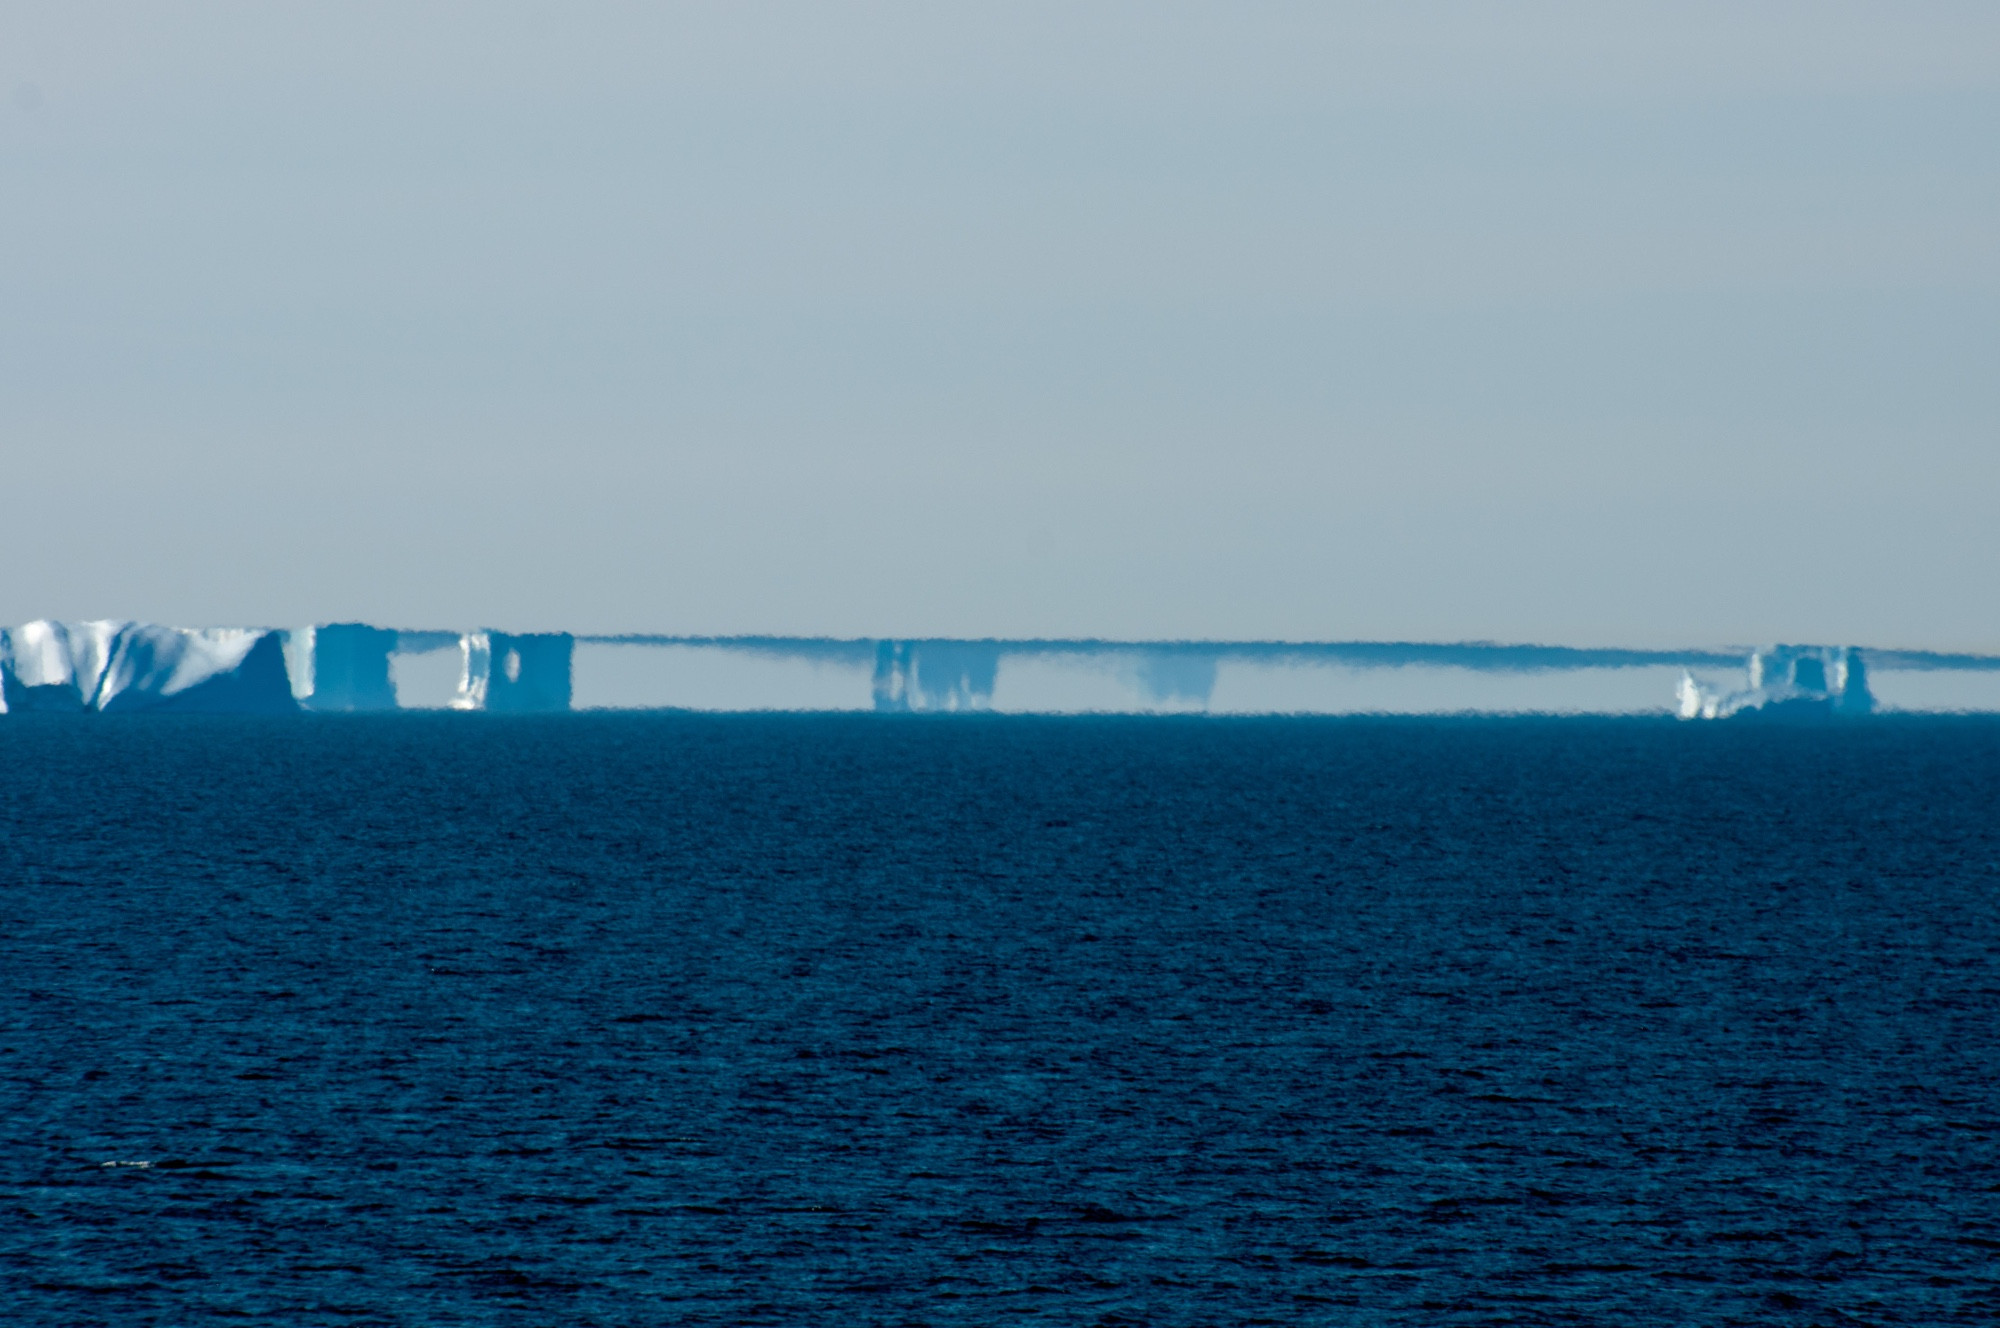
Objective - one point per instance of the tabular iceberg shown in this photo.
(114, 667)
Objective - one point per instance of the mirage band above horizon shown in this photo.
(118, 666)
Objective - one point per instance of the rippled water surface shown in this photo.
(657, 1019)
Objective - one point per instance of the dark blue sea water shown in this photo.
(856, 1020)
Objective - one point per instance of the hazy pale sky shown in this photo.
(1586, 323)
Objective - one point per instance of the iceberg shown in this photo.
(343, 667)
(38, 669)
(116, 667)
(1786, 681)
(216, 669)
(515, 673)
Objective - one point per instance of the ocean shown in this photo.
(849, 1020)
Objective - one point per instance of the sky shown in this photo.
(1637, 324)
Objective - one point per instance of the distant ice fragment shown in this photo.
(935, 675)
(1171, 674)
(1786, 681)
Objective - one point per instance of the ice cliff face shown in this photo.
(515, 673)
(342, 666)
(113, 667)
